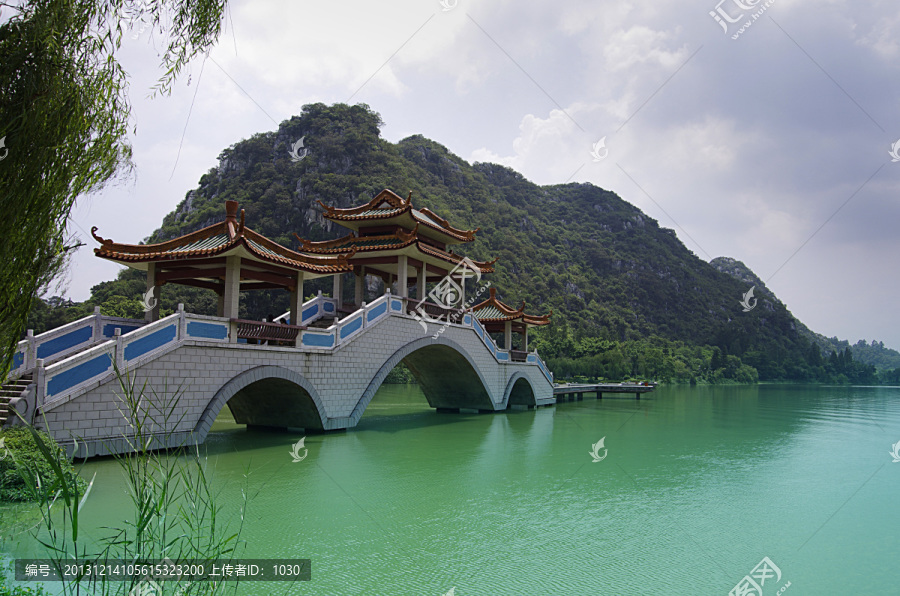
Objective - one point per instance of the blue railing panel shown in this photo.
(328, 307)
(318, 340)
(150, 342)
(64, 342)
(397, 305)
(206, 330)
(310, 312)
(376, 312)
(79, 374)
(351, 327)
(18, 359)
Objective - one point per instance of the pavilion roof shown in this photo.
(400, 239)
(387, 207)
(494, 311)
(225, 238)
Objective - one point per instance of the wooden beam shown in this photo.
(191, 273)
(281, 281)
(261, 285)
(374, 260)
(179, 263)
(207, 285)
(285, 271)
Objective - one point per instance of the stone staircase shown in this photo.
(322, 323)
(9, 391)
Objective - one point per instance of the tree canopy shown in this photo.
(64, 118)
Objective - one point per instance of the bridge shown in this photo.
(303, 376)
(318, 369)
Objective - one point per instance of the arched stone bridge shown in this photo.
(324, 381)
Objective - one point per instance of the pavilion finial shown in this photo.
(231, 210)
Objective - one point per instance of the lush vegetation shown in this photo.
(629, 299)
(175, 510)
(20, 454)
(64, 115)
(6, 590)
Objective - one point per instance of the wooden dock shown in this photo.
(576, 391)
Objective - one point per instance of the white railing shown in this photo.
(60, 343)
(311, 311)
(125, 352)
(132, 350)
(348, 327)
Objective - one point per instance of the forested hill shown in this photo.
(628, 297)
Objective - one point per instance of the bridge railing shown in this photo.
(318, 307)
(351, 325)
(60, 343)
(508, 355)
(127, 351)
(56, 380)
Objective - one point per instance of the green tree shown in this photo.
(64, 111)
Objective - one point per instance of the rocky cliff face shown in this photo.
(602, 265)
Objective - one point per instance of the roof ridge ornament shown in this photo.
(240, 231)
(344, 258)
(304, 243)
(405, 236)
(329, 209)
(98, 238)
(231, 209)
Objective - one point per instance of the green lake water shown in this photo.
(698, 486)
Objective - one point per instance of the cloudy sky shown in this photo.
(766, 139)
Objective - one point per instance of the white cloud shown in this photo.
(750, 146)
(641, 45)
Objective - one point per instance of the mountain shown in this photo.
(874, 353)
(629, 299)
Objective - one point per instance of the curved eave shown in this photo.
(407, 219)
(244, 245)
(397, 207)
(385, 196)
(507, 313)
(529, 320)
(398, 240)
(420, 248)
(483, 266)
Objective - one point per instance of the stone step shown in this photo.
(10, 391)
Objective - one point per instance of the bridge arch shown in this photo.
(266, 396)
(469, 388)
(519, 391)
